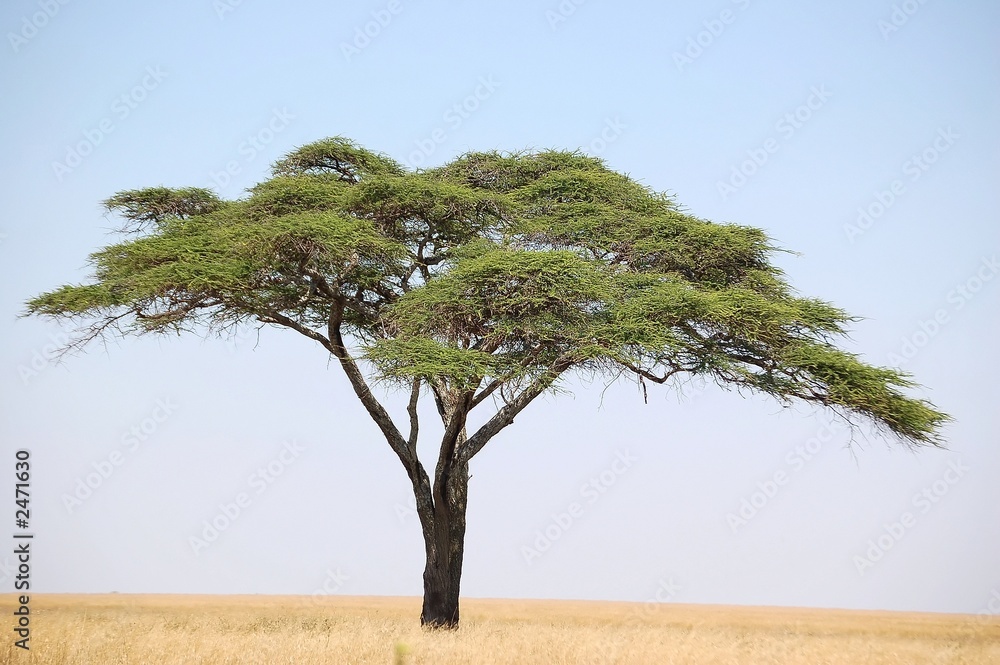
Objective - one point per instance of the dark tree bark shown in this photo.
(441, 507)
(445, 549)
(444, 519)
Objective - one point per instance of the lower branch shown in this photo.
(505, 416)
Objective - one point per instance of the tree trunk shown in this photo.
(445, 548)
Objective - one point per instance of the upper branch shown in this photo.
(505, 416)
(451, 442)
(281, 319)
(92, 333)
(646, 374)
(411, 409)
(399, 445)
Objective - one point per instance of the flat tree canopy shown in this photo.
(492, 276)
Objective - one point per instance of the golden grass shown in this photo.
(236, 630)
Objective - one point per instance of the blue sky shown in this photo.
(858, 134)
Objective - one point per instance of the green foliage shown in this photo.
(497, 268)
(505, 295)
(155, 205)
(72, 300)
(843, 380)
(429, 359)
(349, 161)
(283, 195)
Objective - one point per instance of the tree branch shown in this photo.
(505, 416)
(405, 449)
(281, 319)
(411, 409)
(454, 435)
(646, 374)
(498, 383)
(361, 389)
(92, 333)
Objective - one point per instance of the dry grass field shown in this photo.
(236, 630)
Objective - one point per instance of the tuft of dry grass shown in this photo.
(243, 630)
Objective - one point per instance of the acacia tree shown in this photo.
(483, 281)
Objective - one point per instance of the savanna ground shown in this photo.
(236, 630)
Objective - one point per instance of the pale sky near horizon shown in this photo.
(857, 134)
